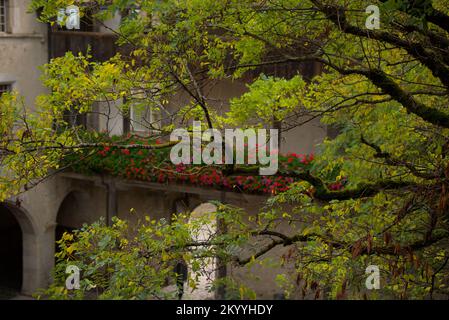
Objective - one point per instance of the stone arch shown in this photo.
(196, 208)
(23, 247)
(181, 205)
(70, 212)
(203, 212)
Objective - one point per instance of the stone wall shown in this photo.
(71, 200)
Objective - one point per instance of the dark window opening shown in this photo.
(5, 88)
(75, 119)
(3, 15)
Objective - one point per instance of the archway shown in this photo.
(17, 251)
(11, 253)
(181, 268)
(64, 220)
(204, 226)
(73, 213)
(202, 220)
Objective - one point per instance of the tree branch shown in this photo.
(337, 15)
(322, 192)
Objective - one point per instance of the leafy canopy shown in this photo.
(385, 90)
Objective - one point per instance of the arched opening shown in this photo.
(73, 212)
(202, 221)
(11, 254)
(65, 220)
(204, 226)
(181, 268)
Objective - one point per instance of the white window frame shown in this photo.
(140, 122)
(146, 122)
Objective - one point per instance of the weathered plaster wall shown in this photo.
(22, 50)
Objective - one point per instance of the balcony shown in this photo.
(102, 44)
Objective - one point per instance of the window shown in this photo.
(3, 16)
(140, 118)
(75, 119)
(5, 87)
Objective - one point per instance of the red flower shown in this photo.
(336, 186)
(180, 167)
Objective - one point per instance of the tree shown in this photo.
(386, 90)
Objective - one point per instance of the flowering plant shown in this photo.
(146, 164)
